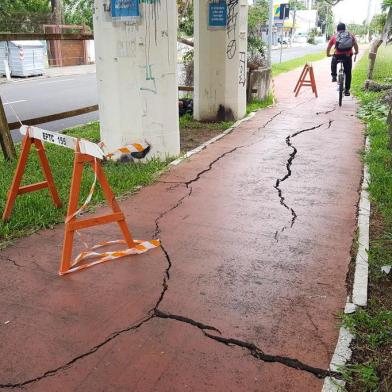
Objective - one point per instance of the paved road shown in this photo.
(39, 97)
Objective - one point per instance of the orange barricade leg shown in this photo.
(16, 189)
(302, 77)
(73, 224)
(313, 81)
(302, 81)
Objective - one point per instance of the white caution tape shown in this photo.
(86, 147)
(140, 248)
(136, 150)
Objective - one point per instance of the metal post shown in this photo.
(281, 44)
(271, 12)
(7, 144)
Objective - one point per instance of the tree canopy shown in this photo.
(30, 15)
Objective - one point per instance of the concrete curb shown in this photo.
(343, 352)
(360, 290)
(213, 140)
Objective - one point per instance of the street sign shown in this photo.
(125, 10)
(277, 12)
(284, 11)
(281, 11)
(217, 14)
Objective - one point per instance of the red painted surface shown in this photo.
(229, 268)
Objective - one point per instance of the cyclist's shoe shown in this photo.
(347, 93)
(334, 79)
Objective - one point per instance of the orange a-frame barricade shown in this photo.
(16, 189)
(302, 81)
(91, 154)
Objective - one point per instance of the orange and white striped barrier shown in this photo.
(139, 248)
(85, 152)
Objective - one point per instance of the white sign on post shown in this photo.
(86, 147)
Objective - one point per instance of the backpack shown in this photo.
(344, 41)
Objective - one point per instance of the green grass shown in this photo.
(35, 210)
(257, 104)
(371, 368)
(365, 376)
(296, 63)
(187, 121)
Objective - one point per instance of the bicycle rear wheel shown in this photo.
(341, 84)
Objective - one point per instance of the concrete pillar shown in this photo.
(136, 73)
(220, 62)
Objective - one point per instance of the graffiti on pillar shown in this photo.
(126, 48)
(152, 11)
(242, 80)
(231, 28)
(150, 79)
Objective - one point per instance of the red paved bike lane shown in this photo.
(256, 232)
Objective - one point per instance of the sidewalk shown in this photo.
(256, 232)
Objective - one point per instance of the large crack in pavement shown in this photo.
(289, 173)
(9, 260)
(93, 350)
(256, 352)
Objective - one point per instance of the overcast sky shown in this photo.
(355, 11)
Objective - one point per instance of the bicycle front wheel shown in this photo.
(341, 83)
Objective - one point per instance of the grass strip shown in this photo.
(34, 211)
(287, 66)
(370, 368)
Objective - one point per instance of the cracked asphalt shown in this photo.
(244, 293)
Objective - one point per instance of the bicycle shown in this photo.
(341, 79)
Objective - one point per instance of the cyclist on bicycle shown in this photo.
(344, 42)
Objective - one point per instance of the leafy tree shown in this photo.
(257, 19)
(185, 17)
(24, 15)
(325, 19)
(357, 29)
(377, 24)
(79, 12)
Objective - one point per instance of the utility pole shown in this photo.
(369, 12)
(368, 18)
(270, 23)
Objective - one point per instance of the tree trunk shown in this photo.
(372, 56)
(57, 11)
(185, 41)
(387, 34)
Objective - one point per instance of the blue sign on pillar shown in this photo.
(125, 10)
(217, 14)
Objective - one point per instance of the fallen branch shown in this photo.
(370, 85)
